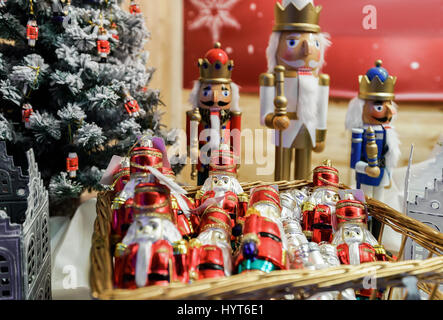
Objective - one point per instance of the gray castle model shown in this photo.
(25, 261)
(429, 210)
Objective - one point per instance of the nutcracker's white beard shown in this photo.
(143, 262)
(206, 238)
(307, 99)
(354, 253)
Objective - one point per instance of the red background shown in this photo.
(408, 33)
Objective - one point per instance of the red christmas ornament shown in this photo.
(26, 114)
(134, 8)
(132, 106)
(72, 164)
(32, 32)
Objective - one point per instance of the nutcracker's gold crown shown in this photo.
(215, 72)
(376, 89)
(293, 19)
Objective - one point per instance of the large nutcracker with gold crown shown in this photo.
(319, 209)
(263, 245)
(375, 144)
(152, 251)
(216, 116)
(210, 254)
(294, 94)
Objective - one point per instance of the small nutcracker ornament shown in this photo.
(264, 245)
(222, 188)
(319, 209)
(72, 164)
(32, 31)
(375, 144)
(294, 93)
(134, 7)
(131, 105)
(27, 111)
(216, 117)
(292, 204)
(210, 254)
(152, 252)
(103, 44)
(296, 239)
(114, 32)
(354, 243)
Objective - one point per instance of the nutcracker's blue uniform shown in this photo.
(358, 154)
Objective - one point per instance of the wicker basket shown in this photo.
(277, 284)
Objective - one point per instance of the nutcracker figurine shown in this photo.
(134, 8)
(296, 239)
(210, 254)
(152, 252)
(292, 203)
(26, 114)
(216, 117)
(32, 32)
(354, 243)
(182, 208)
(114, 32)
(264, 245)
(131, 105)
(122, 217)
(375, 144)
(319, 209)
(296, 87)
(72, 164)
(103, 45)
(222, 188)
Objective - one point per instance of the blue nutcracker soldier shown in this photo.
(375, 144)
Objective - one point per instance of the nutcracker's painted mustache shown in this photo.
(301, 63)
(384, 119)
(211, 103)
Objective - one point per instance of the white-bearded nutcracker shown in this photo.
(216, 117)
(373, 108)
(297, 45)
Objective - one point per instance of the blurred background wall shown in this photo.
(408, 37)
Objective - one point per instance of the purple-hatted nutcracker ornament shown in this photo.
(375, 144)
(216, 117)
(264, 245)
(294, 93)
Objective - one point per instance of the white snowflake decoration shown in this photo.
(214, 15)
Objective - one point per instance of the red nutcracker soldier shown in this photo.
(216, 117)
(294, 93)
(152, 252)
(131, 105)
(26, 114)
(103, 45)
(319, 208)
(114, 32)
(122, 217)
(182, 208)
(72, 164)
(32, 32)
(264, 244)
(134, 8)
(355, 244)
(210, 254)
(222, 188)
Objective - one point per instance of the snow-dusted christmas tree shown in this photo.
(75, 91)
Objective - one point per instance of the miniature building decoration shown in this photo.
(25, 261)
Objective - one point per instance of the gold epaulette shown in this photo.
(379, 249)
(180, 247)
(199, 194)
(194, 243)
(324, 79)
(252, 210)
(120, 250)
(174, 204)
(243, 197)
